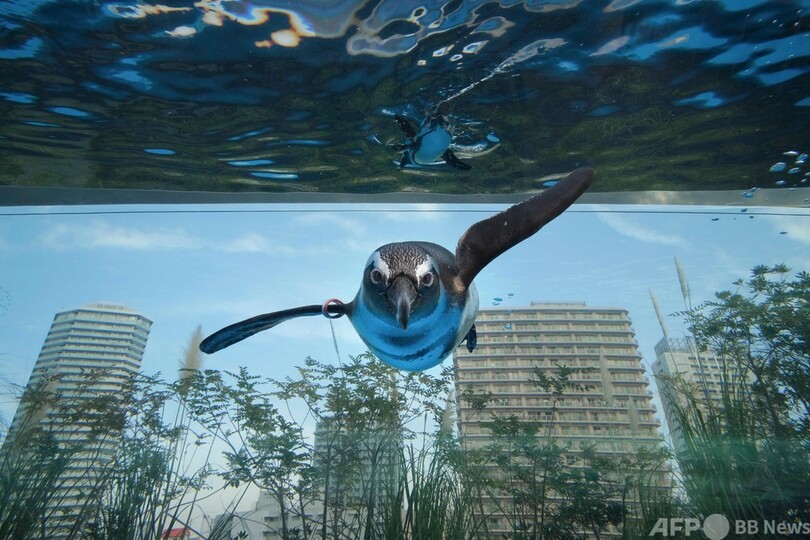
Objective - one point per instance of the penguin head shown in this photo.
(401, 282)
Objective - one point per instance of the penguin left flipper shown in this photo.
(406, 127)
(487, 239)
(450, 158)
(244, 329)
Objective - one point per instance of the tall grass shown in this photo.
(126, 450)
(422, 485)
(45, 458)
(745, 435)
(429, 501)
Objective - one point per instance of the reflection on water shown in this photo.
(279, 96)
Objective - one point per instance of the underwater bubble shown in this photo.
(801, 159)
(159, 151)
(781, 182)
(794, 170)
(778, 167)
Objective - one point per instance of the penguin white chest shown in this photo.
(431, 145)
(427, 341)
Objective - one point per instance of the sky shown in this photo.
(183, 266)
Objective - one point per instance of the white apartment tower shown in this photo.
(365, 457)
(89, 352)
(681, 370)
(607, 403)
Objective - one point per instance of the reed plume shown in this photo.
(192, 359)
(658, 313)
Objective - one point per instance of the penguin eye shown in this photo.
(426, 280)
(376, 276)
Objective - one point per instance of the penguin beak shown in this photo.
(402, 294)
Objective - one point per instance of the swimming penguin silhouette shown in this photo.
(424, 146)
(417, 301)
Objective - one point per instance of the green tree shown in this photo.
(556, 491)
(263, 447)
(364, 411)
(747, 454)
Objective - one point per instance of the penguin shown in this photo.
(426, 145)
(417, 301)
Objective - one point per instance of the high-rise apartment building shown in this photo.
(687, 377)
(362, 467)
(606, 403)
(89, 352)
(373, 452)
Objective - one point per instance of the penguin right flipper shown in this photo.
(471, 338)
(244, 329)
(406, 127)
(487, 239)
(450, 158)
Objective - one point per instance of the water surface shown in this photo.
(277, 96)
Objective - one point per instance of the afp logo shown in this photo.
(715, 527)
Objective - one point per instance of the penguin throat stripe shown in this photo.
(337, 312)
